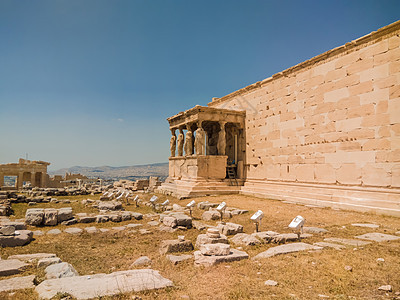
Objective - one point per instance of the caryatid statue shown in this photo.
(172, 143)
(189, 143)
(222, 139)
(199, 142)
(181, 139)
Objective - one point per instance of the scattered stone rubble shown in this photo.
(64, 216)
(62, 278)
(149, 184)
(213, 246)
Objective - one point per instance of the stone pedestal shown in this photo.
(200, 175)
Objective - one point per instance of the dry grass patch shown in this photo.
(303, 274)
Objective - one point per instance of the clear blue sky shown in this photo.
(92, 82)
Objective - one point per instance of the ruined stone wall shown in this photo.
(329, 126)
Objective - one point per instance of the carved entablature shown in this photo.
(199, 114)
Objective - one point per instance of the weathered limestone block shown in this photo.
(110, 205)
(45, 262)
(236, 211)
(126, 216)
(183, 220)
(69, 222)
(16, 224)
(170, 221)
(54, 231)
(115, 218)
(102, 218)
(34, 216)
(142, 261)
(136, 215)
(60, 270)
(211, 215)
(64, 214)
(24, 237)
(205, 239)
(50, 217)
(175, 259)
(284, 249)
(85, 218)
(177, 207)
(206, 260)
(266, 236)
(100, 285)
(7, 230)
(245, 239)
(5, 210)
(170, 246)
(11, 267)
(229, 228)
(198, 225)
(215, 249)
(378, 237)
(17, 283)
(74, 230)
(30, 258)
(206, 205)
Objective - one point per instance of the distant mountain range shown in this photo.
(116, 173)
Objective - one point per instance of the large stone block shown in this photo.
(336, 95)
(183, 220)
(50, 217)
(325, 173)
(64, 214)
(17, 283)
(170, 246)
(207, 260)
(100, 285)
(229, 228)
(206, 239)
(34, 216)
(348, 174)
(60, 270)
(377, 175)
(11, 267)
(211, 215)
(169, 221)
(284, 249)
(215, 249)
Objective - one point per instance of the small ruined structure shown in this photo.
(25, 170)
(325, 132)
(35, 172)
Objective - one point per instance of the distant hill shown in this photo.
(116, 173)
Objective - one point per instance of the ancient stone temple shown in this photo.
(325, 132)
(25, 170)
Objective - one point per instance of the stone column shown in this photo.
(181, 140)
(1, 179)
(20, 180)
(43, 182)
(222, 139)
(172, 143)
(33, 179)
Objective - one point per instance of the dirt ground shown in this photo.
(302, 275)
